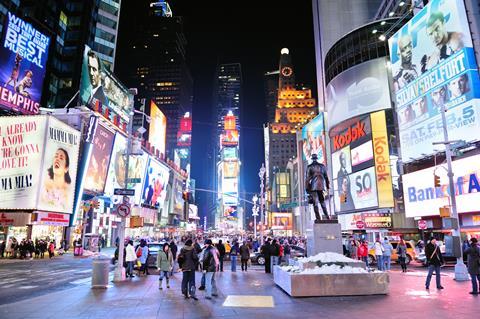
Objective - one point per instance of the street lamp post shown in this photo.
(119, 271)
(255, 214)
(261, 174)
(461, 273)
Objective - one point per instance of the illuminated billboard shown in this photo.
(313, 136)
(229, 153)
(359, 90)
(230, 191)
(422, 198)
(157, 134)
(23, 61)
(98, 166)
(155, 185)
(433, 66)
(117, 166)
(101, 91)
(136, 174)
(230, 169)
(230, 138)
(38, 163)
(281, 221)
(184, 139)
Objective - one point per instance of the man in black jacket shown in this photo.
(173, 249)
(187, 261)
(434, 260)
(221, 253)
(210, 260)
(317, 185)
(265, 250)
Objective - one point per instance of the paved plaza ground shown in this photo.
(140, 298)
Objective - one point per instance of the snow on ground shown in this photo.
(326, 269)
(327, 257)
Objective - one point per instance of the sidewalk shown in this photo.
(108, 252)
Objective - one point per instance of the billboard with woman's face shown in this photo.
(155, 185)
(59, 171)
(116, 169)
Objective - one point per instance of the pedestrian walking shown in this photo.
(379, 254)
(221, 253)
(473, 265)
(244, 255)
(362, 252)
(142, 257)
(130, 257)
(173, 249)
(275, 252)
(402, 254)
(51, 250)
(234, 252)
(287, 251)
(265, 250)
(387, 254)
(435, 261)
(8, 248)
(210, 267)
(353, 249)
(164, 265)
(187, 261)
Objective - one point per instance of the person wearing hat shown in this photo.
(473, 264)
(316, 183)
(210, 266)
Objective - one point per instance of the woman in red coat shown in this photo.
(362, 252)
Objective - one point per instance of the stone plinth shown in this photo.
(319, 285)
(324, 237)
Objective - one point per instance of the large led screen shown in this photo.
(313, 136)
(157, 134)
(422, 198)
(116, 169)
(433, 66)
(23, 61)
(136, 174)
(359, 90)
(230, 191)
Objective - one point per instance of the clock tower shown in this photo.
(287, 76)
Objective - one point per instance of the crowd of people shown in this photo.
(27, 248)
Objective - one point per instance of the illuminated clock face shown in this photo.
(287, 71)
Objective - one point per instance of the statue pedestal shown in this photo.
(325, 236)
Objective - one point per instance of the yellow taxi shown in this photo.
(411, 255)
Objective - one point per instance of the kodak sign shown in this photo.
(353, 133)
(382, 159)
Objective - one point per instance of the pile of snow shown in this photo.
(324, 270)
(327, 257)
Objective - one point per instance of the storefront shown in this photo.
(367, 225)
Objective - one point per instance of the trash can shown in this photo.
(100, 272)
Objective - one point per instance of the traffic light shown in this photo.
(343, 197)
(185, 196)
(436, 181)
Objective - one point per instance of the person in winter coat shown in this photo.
(362, 252)
(234, 252)
(244, 255)
(402, 254)
(221, 253)
(353, 249)
(210, 266)
(387, 254)
(187, 261)
(379, 254)
(51, 249)
(174, 250)
(164, 264)
(142, 255)
(473, 264)
(265, 250)
(275, 252)
(434, 260)
(130, 257)
(287, 251)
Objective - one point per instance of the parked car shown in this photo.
(258, 257)
(411, 254)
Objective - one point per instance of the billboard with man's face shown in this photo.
(23, 61)
(101, 91)
(434, 67)
(313, 136)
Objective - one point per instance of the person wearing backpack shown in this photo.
(435, 260)
(473, 264)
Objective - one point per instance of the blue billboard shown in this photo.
(433, 66)
(23, 59)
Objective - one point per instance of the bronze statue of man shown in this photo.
(317, 186)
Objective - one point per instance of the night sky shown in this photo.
(251, 33)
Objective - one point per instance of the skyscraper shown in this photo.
(152, 57)
(227, 107)
(271, 93)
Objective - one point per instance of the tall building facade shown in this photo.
(70, 24)
(271, 93)
(152, 57)
(226, 136)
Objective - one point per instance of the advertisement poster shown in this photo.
(230, 169)
(21, 156)
(359, 90)
(313, 136)
(101, 91)
(230, 138)
(433, 66)
(422, 198)
(230, 191)
(281, 221)
(117, 166)
(59, 171)
(99, 160)
(23, 61)
(229, 153)
(359, 191)
(154, 190)
(157, 133)
(136, 173)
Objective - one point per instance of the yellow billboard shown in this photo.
(158, 128)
